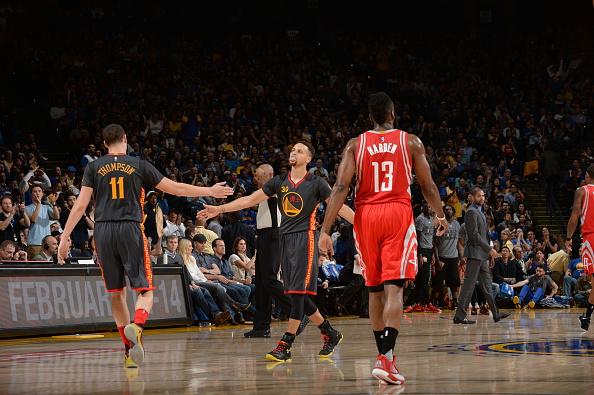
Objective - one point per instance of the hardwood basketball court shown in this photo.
(536, 352)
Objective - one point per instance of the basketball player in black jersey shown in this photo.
(298, 195)
(116, 180)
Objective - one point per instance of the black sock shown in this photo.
(288, 338)
(325, 327)
(378, 339)
(589, 310)
(389, 339)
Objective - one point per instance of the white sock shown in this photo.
(389, 355)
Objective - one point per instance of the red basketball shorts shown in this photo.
(587, 253)
(386, 240)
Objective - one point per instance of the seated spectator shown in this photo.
(520, 241)
(506, 239)
(549, 244)
(174, 225)
(49, 245)
(571, 277)
(213, 268)
(9, 252)
(534, 288)
(244, 268)
(532, 263)
(507, 270)
(170, 256)
(201, 288)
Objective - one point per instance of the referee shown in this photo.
(116, 181)
(268, 263)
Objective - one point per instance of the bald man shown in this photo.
(268, 259)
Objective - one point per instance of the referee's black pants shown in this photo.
(267, 284)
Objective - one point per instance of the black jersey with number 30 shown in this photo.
(297, 201)
(117, 182)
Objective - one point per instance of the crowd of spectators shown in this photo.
(209, 111)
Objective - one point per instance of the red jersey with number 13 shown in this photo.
(384, 168)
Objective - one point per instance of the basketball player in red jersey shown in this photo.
(385, 236)
(583, 205)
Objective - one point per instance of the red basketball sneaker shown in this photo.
(385, 370)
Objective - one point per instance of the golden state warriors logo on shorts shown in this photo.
(292, 204)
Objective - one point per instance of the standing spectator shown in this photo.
(153, 218)
(13, 218)
(558, 265)
(80, 233)
(319, 167)
(236, 229)
(425, 231)
(89, 156)
(174, 225)
(35, 177)
(447, 250)
(215, 225)
(209, 234)
(40, 215)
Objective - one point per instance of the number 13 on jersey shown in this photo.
(383, 172)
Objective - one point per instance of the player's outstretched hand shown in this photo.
(325, 244)
(63, 250)
(220, 190)
(208, 212)
(442, 226)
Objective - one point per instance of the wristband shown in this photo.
(440, 219)
(568, 238)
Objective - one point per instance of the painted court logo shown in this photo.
(576, 347)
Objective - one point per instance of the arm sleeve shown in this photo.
(89, 176)
(272, 186)
(472, 231)
(150, 175)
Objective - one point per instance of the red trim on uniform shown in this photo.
(301, 292)
(146, 255)
(145, 289)
(300, 181)
(114, 290)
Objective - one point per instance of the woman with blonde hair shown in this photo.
(198, 282)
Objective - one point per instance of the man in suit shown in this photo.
(477, 251)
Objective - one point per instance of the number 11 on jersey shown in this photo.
(117, 187)
(383, 172)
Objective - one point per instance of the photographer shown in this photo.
(13, 218)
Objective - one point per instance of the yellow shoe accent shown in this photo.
(531, 304)
(271, 357)
(517, 302)
(129, 363)
(134, 333)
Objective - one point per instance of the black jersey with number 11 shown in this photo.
(117, 182)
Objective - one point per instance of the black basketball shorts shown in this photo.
(299, 262)
(122, 249)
